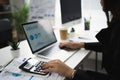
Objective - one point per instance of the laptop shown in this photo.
(43, 42)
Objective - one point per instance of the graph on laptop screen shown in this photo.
(70, 12)
(38, 37)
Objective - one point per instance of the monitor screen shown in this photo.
(39, 35)
(70, 11)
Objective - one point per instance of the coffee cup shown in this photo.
(63, 33)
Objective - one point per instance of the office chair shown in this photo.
(5, 32)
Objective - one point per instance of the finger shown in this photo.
(61, 44)
(45, 66)
(54, 61)
(50, 69)
(45, 70)
(48, 64)
(52, 64)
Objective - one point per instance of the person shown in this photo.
(109, 45)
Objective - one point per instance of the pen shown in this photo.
(1, 68)
(50, 74)
(9, 63)
(31, 77)
(83, 38)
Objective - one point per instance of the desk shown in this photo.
(5, 55)
(25, 51)
(74, 61)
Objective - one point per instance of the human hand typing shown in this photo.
(59, 67)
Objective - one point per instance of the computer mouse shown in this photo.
(66, 48)
(63, 47)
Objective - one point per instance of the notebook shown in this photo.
(43, 42)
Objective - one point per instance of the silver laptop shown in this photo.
(43, 42)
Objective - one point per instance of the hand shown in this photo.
(71, 45)
(58, 67)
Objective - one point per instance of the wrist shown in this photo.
(81, 45)
(73, 74)
(70, 74)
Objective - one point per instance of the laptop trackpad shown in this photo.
(54, 53)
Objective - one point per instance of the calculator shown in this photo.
(33, 66)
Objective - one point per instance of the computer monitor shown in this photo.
(70, 12)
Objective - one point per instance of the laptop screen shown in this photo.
(39, 35)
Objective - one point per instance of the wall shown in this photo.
(93, 9)
(17, 3)
(90, 8)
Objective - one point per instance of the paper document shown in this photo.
(16, 76)
(12, 72)
(14, 65)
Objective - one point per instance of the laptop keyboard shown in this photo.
(56, 53)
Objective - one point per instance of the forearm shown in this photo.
(95, 46)
(78, 75)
